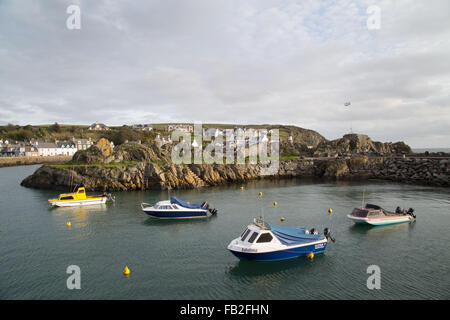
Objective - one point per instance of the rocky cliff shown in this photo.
(361, 143)
(148, 175)
(135, 166)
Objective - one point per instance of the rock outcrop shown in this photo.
(134, 166)
(147, 175)
(361, 143)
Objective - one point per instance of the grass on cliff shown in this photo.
(70, 165)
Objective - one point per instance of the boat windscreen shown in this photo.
(360, 213)
(373, 206)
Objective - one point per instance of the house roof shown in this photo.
(46, 145)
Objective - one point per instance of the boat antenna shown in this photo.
(362, 202)
(262, 207)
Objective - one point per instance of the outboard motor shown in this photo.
(313, 231)
(111, 197)
(411, 212)
(327, 234)
(213, 211)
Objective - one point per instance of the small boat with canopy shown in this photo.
(178, 209)
(375, 215)
(263, 242)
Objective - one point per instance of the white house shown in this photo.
(66, 148)
(82, 144)
(179, 127)
(46, 149)
(143, 127)
(98, 126)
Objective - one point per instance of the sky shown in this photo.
(232, 61)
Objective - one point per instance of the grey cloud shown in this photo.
(228, 61)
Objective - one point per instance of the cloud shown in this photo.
(286, 62)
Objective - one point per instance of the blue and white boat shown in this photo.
(263, 242)
(177, 209)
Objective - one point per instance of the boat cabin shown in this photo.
(80, 194)
(370, 210)
(253, 235)
(165, 205)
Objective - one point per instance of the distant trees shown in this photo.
(123, 134)
(55, 127)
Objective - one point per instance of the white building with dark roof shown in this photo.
(143, 127)
(98, 126)
(66, 148)
(179, 127)
(46, 149)
(82, 144)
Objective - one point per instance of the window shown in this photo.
(80, 191)
(375, 213)
(245, 234)
(265, 237)
(253, 237)
(66, 198)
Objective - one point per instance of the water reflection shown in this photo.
(78, 211)
(171, 222)
(370, 229)
(246, 268)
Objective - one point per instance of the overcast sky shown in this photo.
(227, 61)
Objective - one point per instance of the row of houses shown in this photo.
(36, 148)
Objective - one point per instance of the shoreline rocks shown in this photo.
(147, 175)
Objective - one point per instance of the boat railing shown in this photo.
(259, 222)
(145, 204)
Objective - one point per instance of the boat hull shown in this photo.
(380, 221)
(173, 214)
(285, 254)
(77, 203)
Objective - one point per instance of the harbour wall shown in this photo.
(21, 161)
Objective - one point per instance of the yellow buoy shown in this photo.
(330, 211)
(68, 223)
(242, 187)
(311, 255)
(275, 203)
(282, 218)
(126, 271)
(260, 194)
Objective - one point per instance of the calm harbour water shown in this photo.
(189, 260)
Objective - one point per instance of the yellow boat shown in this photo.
(77, 198)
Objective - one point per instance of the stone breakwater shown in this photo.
(21, 161)
(147, 175)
